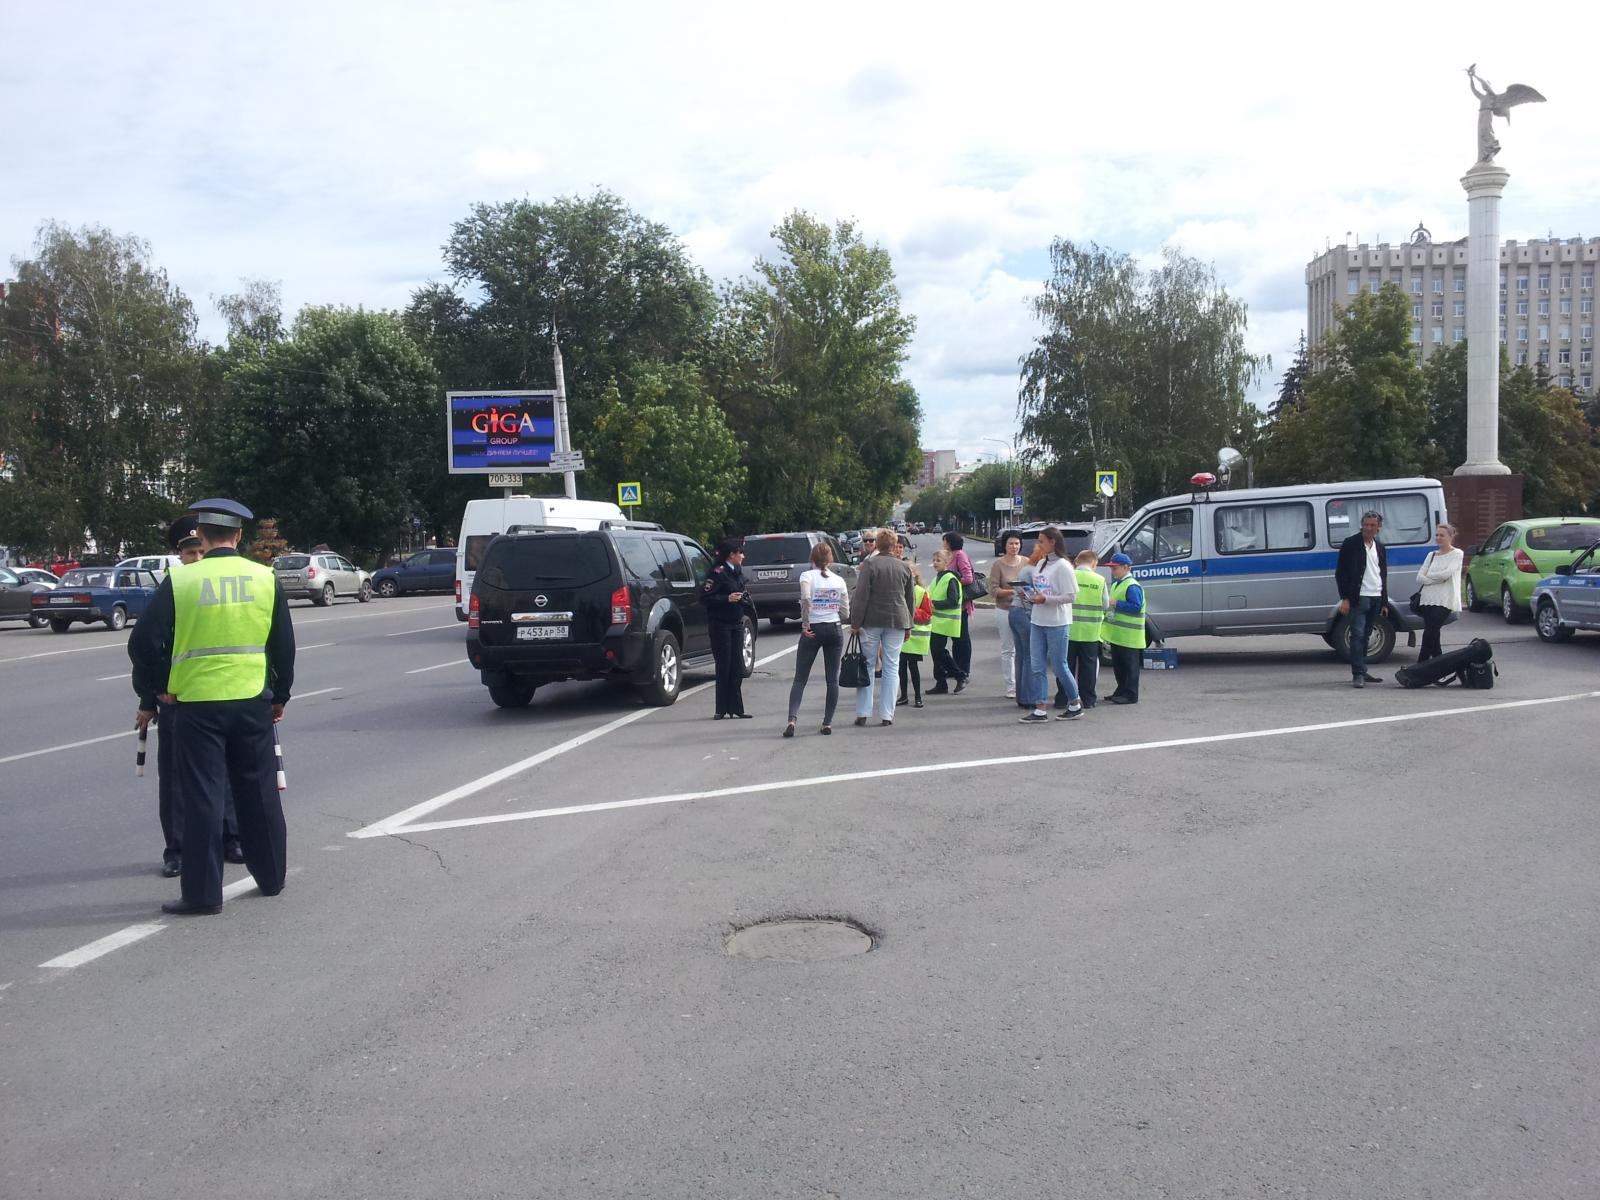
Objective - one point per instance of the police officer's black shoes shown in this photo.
(187, 908)
(232, 851)
(171, 868)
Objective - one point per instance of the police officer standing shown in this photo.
(183, 536)
(217, 644)
(723, 595)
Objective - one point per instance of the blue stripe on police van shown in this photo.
(1298, 562)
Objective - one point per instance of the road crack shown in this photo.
(443, 866)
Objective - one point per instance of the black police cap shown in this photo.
(184, 530)
(229, 514)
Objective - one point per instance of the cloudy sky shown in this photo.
(330, 145)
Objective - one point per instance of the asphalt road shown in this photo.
(1262, 935)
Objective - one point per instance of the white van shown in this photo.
(483, 519)
(1261, 560)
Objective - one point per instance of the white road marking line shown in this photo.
(105, 945)
(390, 824)
(11, 758)
(454, 662)
(125, 733)
(108, 678)
(924, 768)
(238, 888)
(399, 612)
(315, 646)
(307, 695)
(429, 629)
(74, 650)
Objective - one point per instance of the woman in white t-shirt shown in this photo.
(824, 606)
(1439, 589)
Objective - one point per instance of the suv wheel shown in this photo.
(747, 649)
(1508, 607)
(1547, 624)
(388, 588)
(364, 596)
(666, 675)
(326, 598)
(511, 695)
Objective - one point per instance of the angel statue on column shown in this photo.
(1492, 104)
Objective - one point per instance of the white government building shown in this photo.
(1546, 296)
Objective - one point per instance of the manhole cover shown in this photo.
(799, 940)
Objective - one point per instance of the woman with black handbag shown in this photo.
(824, 605)
(1438, 589)
(882, 605)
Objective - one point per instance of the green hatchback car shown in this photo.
(1518, 554)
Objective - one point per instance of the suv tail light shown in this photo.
(1524, 563)
(621, 607)
(472, 613)
(311, 572)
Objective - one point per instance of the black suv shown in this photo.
(621, 602)
(773, 564)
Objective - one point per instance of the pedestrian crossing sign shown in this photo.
(628, 493)
(1105, 482)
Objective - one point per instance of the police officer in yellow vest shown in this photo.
(1086, 630)
(216, 643)
(1124, 629)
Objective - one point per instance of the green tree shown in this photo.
(1292, 387)
(1142, 372)
(661, 428)
(1365, 414)
(332, 430)
(99, 373)
(808, 362)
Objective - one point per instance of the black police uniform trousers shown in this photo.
(1126, 662)
(727, 648)
(170, 798)
(223, 744)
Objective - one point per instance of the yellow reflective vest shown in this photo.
(222, 615)
(1088, 607)
(1124, 629)
(921, 635)
(946, 593)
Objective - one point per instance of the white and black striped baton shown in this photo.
(277, 749)
(138, 758)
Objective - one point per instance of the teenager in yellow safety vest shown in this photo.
(917, 646)
(216, 643)
(947, 595)
(1088, 619)
(1124, 629)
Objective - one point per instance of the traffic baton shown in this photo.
(277, 749)
(138, 758)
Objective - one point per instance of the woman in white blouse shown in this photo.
(1439, 581)
(824, 606)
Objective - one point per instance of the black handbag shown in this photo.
(975, 589)
(1415, 603)
(854, 669)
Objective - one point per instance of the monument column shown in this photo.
(1485, 184)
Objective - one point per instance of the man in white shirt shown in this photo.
(1362, 575)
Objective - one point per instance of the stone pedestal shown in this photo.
(1484, 184)
(1480, 503)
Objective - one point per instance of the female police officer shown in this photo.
(724, 597)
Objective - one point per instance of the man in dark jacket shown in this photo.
(1362, 576)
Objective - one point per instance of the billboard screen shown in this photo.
(500, 431)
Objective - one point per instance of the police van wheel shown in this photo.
(118, 618)
(1380, 640)
(326, 598)
(364, 596)
(666, 676)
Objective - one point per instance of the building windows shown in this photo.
(1522, 283)
(1355, 286)
(1416, 285)
(1416, 335)
(1461, 334)
(1438, 309)
(1544, 283)
(1502, 310)
(1460, 308)
(1438, 335)
(1588, 382)
(1564, 357)
(1461, 284)
(1587, 331)
(1522, 358)
(1588, 283)
(1565, 381)
(1416, 312)
(1544, 333)
(1544, 358)
(1375, 283)
(1566, 333)
(1522, 308)
(1585, 357)
(1586, 306)
(1522, 333)
(1566, 307)
(1544, 308)
(1566, 283)
(1502, 335)
(1438, 285)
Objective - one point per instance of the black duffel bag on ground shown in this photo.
(1472, 665)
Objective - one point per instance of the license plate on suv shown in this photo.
(541, 633)
(772, 574)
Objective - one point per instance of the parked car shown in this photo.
(36, 575)
(160, 564)
(773, 564)
(425, 571)
(321, 578)
(620, 603)
(1078, 536)
(16, 597)
(1504, 569)
(110, 594)
(1569, 600)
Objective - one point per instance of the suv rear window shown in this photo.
(546, 561)
(1562, 537)
(765, 552)
(290, 562)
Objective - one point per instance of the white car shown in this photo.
(159, 564)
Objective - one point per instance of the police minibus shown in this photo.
(1261, 560)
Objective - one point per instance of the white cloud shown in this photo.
(332, 146)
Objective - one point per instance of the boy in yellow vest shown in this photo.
(1124, 629)
(1088, 619)
(216, 643)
